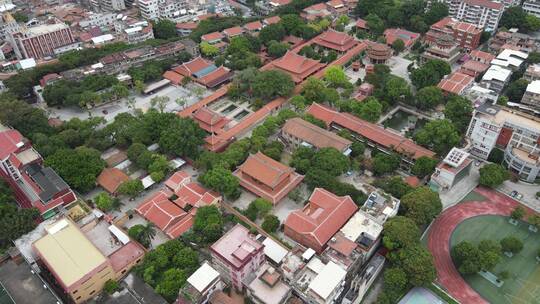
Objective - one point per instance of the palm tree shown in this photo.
(147, 234)
(181, 102)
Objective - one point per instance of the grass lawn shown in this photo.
(523, 286)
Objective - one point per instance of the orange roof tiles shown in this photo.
(314, 135)
(195, 195)
(335, 40)
(409, 38)
(215, 36)
(174, 77)
(370, 131)
(216, 77)
(299, 67)
(186, 26)
(361, 23)
(253, 26)
(193, 66)
(320, 219)
(209, 120)
(187, 112)
(177, 180)
(482, 56)
(161, 211)
(455, 83)
(233, 31)
(272, 20)
(473, 68)
(111, 178)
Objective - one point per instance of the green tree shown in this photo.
(313, 90)
(516, 89)
(208, 224)
(493, 175)
(208, 49)
(222, 181)
(79, 167)
(467, 257)
(131, 188)
(398, 45)
(394, 89)
(436, 12)
(111, 286)
(395, 281)
(270, 223)
(385, 163)
(15, 222)
(159, 102)
(422, 205)
(106, 203)
(400, 232)
(438, 135)
(331, 161)
(143, 234)
(429, 97)
(417, 263)
(271, 84)
(459, 111)
(20, 17)
(335, 76)
(424, 166)
(164, 29)
(171, 282)
(394, 185)
(518, 213)
(430, 73)
(271, 32)
(375, 24)
(511, 244)
(277, 49)
(369, 109)
(183, 138)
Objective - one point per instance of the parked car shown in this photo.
(513, 193)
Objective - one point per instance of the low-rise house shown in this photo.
(455, 166)
(408, 37)
(372, 134)
(315, 11)
(253, 27)
(82, 259)
(110, 179)
(473, 68)
(334, 40)
(201, 286)
(456, 83)
(237, 255)
(364, 91)
(337, 7)
(265, 286)
(299, 67)
(204, 72)
(212, 38)
(299, 132)
(443, 48)
(467, 35)
(320, 219)
(496, 78)
(481, 56)
(271, 20)
(361, 283)
(267, 177)
(532, 73)
(209, 120)
(510, 59)
(320, 283)
(532, 94)
(233, 32)
(185, 28)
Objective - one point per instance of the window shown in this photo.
(93, 291)
(78, 297)
(75, 291)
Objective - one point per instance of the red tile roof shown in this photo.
(320, 219)
(409, 38)
(370, 131)
(195, 195)
(482, 56)
(455, 83)
(335, 40)
(361, 23)
(272, 20)
(233, 31)
(412, 181)
(126, 255)
(193, 66)
(209, 120)
(216, 77)
(9, 142)
(174, 77)
(47, 78)
(314, 135)
(177, 180)
(473, 68)
(212, 37)
(253, 26)
(299, 67)
(335, 3)
(111, 178)
(486, 4)
(161, 211)
(186, 26)
(188, 112)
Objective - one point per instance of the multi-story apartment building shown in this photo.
(41, 40)
(98, 19)
(466, 35)
(237, 255)
(532, 7)
(167, 9)
(33, 185)
(482, 13)
(496, 78)
(518, 134)
(200, 286)
(108, 5)
(82, 258)
(532, 94)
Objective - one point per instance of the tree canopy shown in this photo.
(400, 232)
(423, 166)
(459, 111)
(439, 136)
(221, 180)
(430, 73)
(493, 175)
(164, 29)
(421, 205)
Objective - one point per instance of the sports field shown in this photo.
(5, 298)
(523, 286)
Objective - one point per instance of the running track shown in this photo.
(441, 231)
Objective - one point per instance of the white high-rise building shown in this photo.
(108, 5)
(482, 13)
(532, 7)
(516, 133)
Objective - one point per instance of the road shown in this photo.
(141, 102)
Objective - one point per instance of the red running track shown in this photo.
(441, 231)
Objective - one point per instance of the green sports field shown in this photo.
(523, 286)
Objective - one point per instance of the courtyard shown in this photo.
(523, 286)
